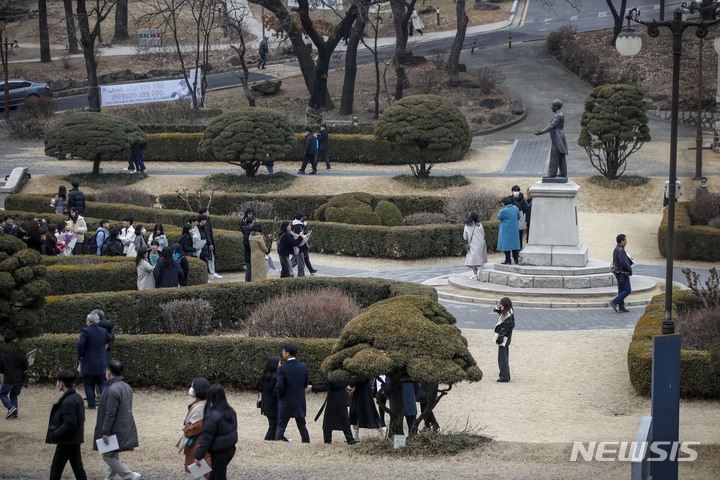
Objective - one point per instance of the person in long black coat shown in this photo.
(267, 385)
(182, 261)
(67, 429)
(363, 413)
(167, 272)
(336, 410)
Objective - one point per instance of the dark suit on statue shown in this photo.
(559, 148)
(292, 378)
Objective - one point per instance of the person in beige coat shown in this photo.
(145, 277)
(193, 423)
(258, 249)
(78, 227)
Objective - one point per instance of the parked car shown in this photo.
(20, 89)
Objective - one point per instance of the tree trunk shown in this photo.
(398, 410)
(88, 45)
(348, 91)
(462, 21)
(70, 24)
(400, 19)
(96, 165)
(121, 21)
(618, 17)
(44, 34)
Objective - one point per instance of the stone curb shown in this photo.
(521, 303)
(509, 124)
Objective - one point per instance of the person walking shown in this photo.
(193, 423)
(299, 227)
(219, 433)
(246, 225)
(101, 234)
(267, 386)
(60, 202)
(322, 147)
(292, 380)
(508, 233)
(115, 417)
(258, 250)
(423, 394)
(210, 237)
(503, 334)
(76, 198)
(309, 152)
(474, 234)
(78, 227)
(416, 23)
(622, 268)
(13, 366)
(66, 428)
(336, 410)
(363, 413)
(263, 52)
(91, 348)
(145, 278)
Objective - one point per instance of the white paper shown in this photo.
(504, 342)
(398, 441)
(198, 471)
(107, 447)
(31, 356)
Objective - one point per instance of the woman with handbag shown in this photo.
(503, 335)
(268, 402)
(219, 432)
(474, 234)
(258, 250)
(61, 201)
(193, 423)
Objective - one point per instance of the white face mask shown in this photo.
(191, 392)
(57, 387)
(516, 194)
(143, 231)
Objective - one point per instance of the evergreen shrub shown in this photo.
(691, 242)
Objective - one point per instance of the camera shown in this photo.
(497, 310)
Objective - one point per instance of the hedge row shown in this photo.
(171, 360)
(362, 129)
(697, 376)
(284, 207)
(691, 242)
(342, 148)
(135, 312)
(67, 275)
(229, 244)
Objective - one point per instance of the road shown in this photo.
(533, 21)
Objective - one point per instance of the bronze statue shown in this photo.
(559, 148)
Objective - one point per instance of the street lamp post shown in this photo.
(629, 44)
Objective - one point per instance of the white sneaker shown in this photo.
(473, 277)
(383, 431)
(136, 476)
(215, 275)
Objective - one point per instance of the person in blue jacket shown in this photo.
(509, 234)
(94, 341)
(623, 272)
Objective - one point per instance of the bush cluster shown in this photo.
(174, 147)
(130, 196)
(457, 208)
(704, 208)
(321, 313)
(90, 273)
(172, 360)
(34, 117)
(699, 375)
(187, 317)
(699, 328)
(135, 312)
(691, 242)
(359, 209)
(424, 218)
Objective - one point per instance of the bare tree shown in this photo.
(88, 36)
(44, 33)
(70, 25)
(356, 33)
(236, 19)
(462, 22)
(202, 12)
(374, 23)
(121, 21)
(401, 12)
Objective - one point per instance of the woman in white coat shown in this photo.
(474, 234)
(145, 278)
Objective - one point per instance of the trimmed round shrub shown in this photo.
(359, 209)
(321, 313)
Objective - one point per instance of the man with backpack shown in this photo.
(96, 241)
(113, 246)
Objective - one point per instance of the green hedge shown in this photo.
(90, 274)
(362, 129)
(691, 242)
(172, 360)
(697, 377)
(342, 148)
(229, 244)
(135, 312)
(285, 206)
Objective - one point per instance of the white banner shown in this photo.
(319, 4)
(146, 92)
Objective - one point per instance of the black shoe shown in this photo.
(352, 442)
(314, 271)
(505, 263)
(624, 310)
(301, 172)
(328, 167)
(502, 381)
(614, 307)
(313, 172)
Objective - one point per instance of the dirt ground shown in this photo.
(558, 395)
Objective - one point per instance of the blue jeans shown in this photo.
(9, 394)
(623, 290)
(90, 381)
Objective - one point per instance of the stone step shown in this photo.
(592, 267)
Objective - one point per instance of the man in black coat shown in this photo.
(309, 152)
(322, 147)
(210, 238)
(623, 266)
(67, 429)
(292, 380)
(76, 198)
(336, 410)
(91, 349)
(13, 367)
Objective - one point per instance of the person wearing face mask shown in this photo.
(503, 334)
(140, 238)
(66, 428)
(703, 188)
(193, 423)
(519, 201)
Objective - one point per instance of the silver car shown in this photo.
(20, 89)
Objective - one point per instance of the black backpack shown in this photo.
(92, 242)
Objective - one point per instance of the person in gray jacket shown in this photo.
(115, 417)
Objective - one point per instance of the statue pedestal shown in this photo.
(554, 234)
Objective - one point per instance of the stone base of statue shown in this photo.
(554, 233)
(554, 180)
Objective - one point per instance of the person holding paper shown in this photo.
(219, 433)
(67, 428)
(193, 423)
(115, 418)
(503, 335)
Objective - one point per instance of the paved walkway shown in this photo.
(528, 157)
